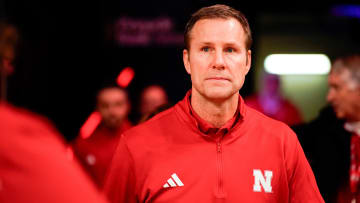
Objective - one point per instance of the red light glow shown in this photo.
(125, 77)
(90, 125)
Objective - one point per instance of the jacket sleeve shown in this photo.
(302, 183)
(121, 181)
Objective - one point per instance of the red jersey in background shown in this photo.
(282, 110)
(95, 152)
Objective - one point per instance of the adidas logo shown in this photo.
(174, 181)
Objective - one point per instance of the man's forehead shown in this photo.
(111, 93)
(338, 75)
(205, 31)
(342, 77)
(231, 23)
(341, 73)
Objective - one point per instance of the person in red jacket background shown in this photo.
(34, 164)
(270, 102)
(212, 147)
(95, 152)
(151, 98)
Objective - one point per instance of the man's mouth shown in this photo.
(218, 78)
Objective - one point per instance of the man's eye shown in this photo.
(229, 50)
(205, 49)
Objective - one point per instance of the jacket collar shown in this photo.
(184, 108)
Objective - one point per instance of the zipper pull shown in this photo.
(219, 147)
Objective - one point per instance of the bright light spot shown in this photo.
(90, 125)
(297, 64)
(91, 160)
(125, 77)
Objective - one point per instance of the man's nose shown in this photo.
(218, 62)
(330, 95)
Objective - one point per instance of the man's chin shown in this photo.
(218, 94)
(112, 124)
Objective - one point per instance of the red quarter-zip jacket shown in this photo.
(169, 159)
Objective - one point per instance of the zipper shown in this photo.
(220, 181)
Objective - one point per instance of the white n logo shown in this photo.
(265, 182)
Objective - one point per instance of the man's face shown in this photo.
(152, 98)
(113, 106)
(343, 96)
(217, 59)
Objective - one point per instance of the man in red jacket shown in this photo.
(211, 147)
(96, 151)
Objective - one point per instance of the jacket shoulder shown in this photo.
(153, 127)
(270, 126)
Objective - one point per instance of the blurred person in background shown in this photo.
(34, 165)
(344, 96)
(331, 141)
(157, 111)
(212, 147)
(151, 98)
(270, 102)
(95, 152)
(8, 40)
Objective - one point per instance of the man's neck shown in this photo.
(218, 112)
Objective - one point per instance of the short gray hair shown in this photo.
(350, 63)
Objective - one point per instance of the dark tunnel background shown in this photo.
(69, 49)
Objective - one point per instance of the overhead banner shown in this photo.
(147, 32)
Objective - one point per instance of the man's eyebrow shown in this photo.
(206, 43)
(232, 44)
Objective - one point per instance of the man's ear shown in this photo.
(248, 60)
(186, 60)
